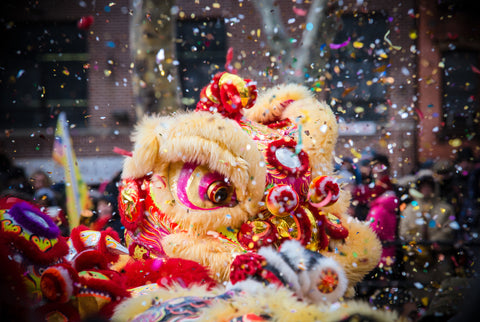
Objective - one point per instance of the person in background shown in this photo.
(13, 181)
(360, 193)
(382, 218)
(103, 214)
(375, 184)
(347, 178)
(380, 176)
(466, 187)
(427, 224)
(42, 187)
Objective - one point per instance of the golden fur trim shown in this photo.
(131, 307)
(268, 108)
(319, 132)
(360, 253)
(279, 303)
(206, 250)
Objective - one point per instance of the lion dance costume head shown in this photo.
(237, 174)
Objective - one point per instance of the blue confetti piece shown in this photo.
(110, 44)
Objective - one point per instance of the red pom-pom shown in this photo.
(58, 283)
(281, 154)
(324, 191)
(281, 200)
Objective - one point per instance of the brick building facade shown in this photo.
(110, 113)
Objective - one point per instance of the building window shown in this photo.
(358, 68)
(461, 86)
(43, 72)
(201, 51)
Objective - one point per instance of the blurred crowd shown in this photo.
(428, 223)
(51, 197)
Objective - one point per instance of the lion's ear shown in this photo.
(147, 139)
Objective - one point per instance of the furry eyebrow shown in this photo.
(207, 152)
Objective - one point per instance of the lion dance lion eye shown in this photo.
(198, 187)
(218, 192)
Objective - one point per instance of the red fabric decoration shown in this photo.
(102, 244)
(166, 272)
(14, 299)
(31, 250)
(228, 66)
(115, 286)
(323, 191)
(129, 203)
(75, 238)
(256, 234)
(90, 259)
(335, 230)
(67, 310)
(100, 223)
(252, 266)
(245, 266)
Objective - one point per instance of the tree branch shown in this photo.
(315, 18)
(274, 29)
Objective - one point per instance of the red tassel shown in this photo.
(122, 151)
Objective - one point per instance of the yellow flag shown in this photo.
(75, 188)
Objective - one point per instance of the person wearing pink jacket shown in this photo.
(382, 218)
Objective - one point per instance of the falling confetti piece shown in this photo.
(418, 285)
(160, 56)
(359, 110)
(299, 12)
(380, 69)
(85, 22)
(475, 69)
(348, 90)
(357, 44)
(389, 42)
(455, 142)
(413, 34)
(338, 46)
(20, 73)
(419, 113)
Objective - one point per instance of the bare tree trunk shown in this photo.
(316, 15)
(154, 78)
(294, 64)
(277, 36)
